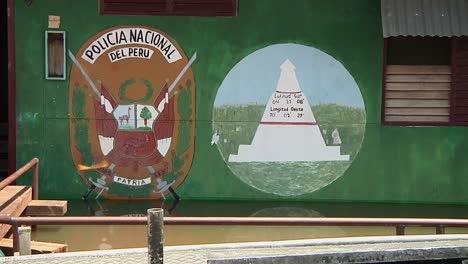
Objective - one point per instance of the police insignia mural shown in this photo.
(132, 108)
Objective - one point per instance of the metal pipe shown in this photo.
(280, 221)
(440, 229)
(15, 233)
(35, 181)
(155, 235)
(400, 230)
(21, 171)
(74, 220)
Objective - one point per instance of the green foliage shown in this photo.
(185, 102)
(289, 178)
(235, 113)
(124, 87)
(144, 128)
(349, 121)
(185, 111)
(145, 113)
(237, 125)
(232, 130)
(177, 164)
(184, 137)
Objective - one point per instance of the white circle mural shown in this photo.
(288, 119)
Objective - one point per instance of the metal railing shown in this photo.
(32, 164)
(399, 224)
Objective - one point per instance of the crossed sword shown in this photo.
(98, 93)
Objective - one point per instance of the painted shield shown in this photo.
(132, 109)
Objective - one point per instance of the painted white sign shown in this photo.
(54, 21)
(125, 36)
(130, 52)
(132, 182)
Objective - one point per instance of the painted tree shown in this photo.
(145, 114)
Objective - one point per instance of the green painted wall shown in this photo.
(404, 164)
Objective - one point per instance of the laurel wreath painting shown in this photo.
(124, 87)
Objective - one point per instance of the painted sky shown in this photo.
(323, 79)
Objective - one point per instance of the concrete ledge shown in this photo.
(332, 250)
(352, 250)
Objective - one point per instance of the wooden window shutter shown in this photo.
(417, 94)
(169, 7)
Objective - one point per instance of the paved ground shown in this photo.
(335, 250)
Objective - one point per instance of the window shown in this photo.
(425, 81)
(169, 7)
(55, 55)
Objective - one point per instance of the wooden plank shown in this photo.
(417, 86)
(418, 69)
(416, 118)
(462, 94)
(6, 245)
(13, 201)
(462, 77)
(460, 85)
(460, 118)
(418, 111)
(418, 78)
(460, 101)
(416, 103)
(459, 109)
(417, 94)
(46, 208)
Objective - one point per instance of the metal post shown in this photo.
(24, 241)
(400, 230)
(14, 230)
(155, 235)
(35, 180)
(440, 229)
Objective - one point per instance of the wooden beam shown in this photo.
(46, 208)
(418, 95)
(390, 118)
(6, 245)
(416, 103)
(418, 69)
(13, 201)
(421, 78)
(417, 86)
(428, 111)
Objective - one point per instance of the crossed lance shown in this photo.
(98, 93)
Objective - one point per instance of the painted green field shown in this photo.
(236, 125)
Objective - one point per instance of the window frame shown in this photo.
(198, 8)
(452, 96)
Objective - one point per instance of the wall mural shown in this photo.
(288, 119)
(132, 112)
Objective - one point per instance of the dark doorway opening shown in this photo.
(4, 91)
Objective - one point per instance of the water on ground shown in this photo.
(95, 237)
